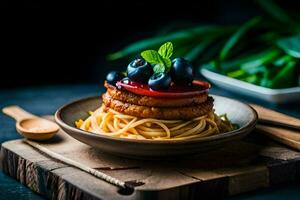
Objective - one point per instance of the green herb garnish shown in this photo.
(161, 58)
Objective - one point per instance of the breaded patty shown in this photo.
(169, 113)
(129, 97)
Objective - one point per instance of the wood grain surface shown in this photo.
(240, 167)
(288, 137)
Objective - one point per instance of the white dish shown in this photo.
(277, 96)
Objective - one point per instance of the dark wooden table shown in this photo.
(46, 99)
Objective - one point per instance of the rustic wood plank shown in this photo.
(67, 146)
(248, 179)
(239, 179)
(274, 151)
(240, 167)
(69, 179)
(53, 179)
(283, 163)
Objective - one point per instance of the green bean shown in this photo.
(237, 36)
(285, 77)
(184, 35)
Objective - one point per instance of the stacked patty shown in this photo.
(158, 108)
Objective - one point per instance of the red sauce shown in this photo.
(175, 91)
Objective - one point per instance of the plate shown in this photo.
(276, 96)
(239, 113)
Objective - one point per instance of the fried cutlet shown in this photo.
(129, 97)
(167, 113)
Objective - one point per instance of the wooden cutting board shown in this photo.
(243, 166)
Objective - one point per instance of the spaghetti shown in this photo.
(109, 122)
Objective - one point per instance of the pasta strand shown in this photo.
(112, 123)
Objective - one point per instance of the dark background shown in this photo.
(66, 42)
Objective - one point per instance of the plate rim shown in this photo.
(245, 85)
(63, 125)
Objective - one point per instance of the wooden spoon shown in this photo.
(289, 137)
(31, 126)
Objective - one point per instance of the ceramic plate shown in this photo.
(270, 95)
(238, 112)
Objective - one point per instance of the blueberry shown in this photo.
(125, 80)
(139, 71)
(113, 77)
(159, 81)
(182, 71)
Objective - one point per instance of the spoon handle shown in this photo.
(270, 116)
(278, 124)
(17, 113)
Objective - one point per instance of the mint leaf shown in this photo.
(163, 67)
(159, 68)
(152, 57)
(167, 63)
(166, 50)
(160, 59)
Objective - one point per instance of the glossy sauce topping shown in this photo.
(175, 91)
